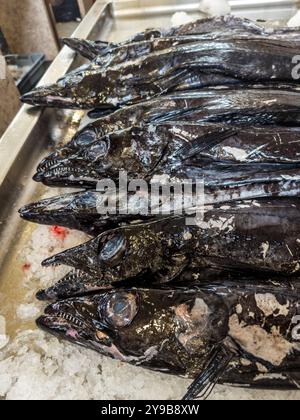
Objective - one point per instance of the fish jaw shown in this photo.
(92, 321)
(87, 257)
(75, 283)
(112, 256)
(67, 320)
(82, 257)
(74, 211)
(49, 96)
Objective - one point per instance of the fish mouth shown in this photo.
(80, 321)
(50, 96)
(64, 321)
(50, 211)
(54, 159)
(66, 174)
(75, 284)
(85, 255)
(100, 257)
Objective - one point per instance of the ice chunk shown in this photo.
(215, 7)
(4, 339)
(181, 18)
(295, 20)
(27, 311)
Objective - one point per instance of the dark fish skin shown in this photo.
(205, 27)
(233, 333)
(260, 235)
(246, 107)
(159, 149)
(87, 48)
(80, 210)
(160, 72)
(92, 49)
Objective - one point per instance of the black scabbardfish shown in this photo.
(259, 235)
(158, 73)
(246, 107)
(203, 27)
(243, 333)
(82, 211)
(92, 49)
(88, 211)
(159, 149)
(78, 283)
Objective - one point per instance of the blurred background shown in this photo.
(30, 33)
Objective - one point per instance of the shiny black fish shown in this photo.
(144, 152)
(80, 210)
(92, 49)
(232, 333)
(260, 235)
(78, 283)
(250, 60)
(247, 107)
(204, 27)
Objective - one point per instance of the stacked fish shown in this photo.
(216, 301)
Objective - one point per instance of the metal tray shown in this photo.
(33, 365)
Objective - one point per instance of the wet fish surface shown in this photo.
(160, 72)
(241, 334)
(165, 149)
(261, 235)
(236, 107)
(203, 27)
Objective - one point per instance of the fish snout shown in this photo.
(50, 96)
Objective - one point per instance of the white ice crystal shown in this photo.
(181, 18)
(295, 20)
(215, 7)
(27, 311)
(4, 339)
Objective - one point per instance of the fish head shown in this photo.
(90, 157)
(160, 329)
(79, 89)
(127, 252)
(74, 211)
(111, 256)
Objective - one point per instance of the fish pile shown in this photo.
(216, 301)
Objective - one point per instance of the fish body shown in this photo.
(160, 72)
(169, 148)
(234, 333)
(202, 27)
(261, 236)
(246, 107)
(92, 49)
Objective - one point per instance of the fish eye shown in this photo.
(119, 309)
(98, 150)
(113, 250)
(85, 138)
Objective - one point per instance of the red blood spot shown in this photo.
(26, 266)
(59, 232)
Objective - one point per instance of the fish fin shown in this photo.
(204, 143)
(204, 384)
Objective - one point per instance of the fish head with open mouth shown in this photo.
(137, 151)
(158, 329)
(129, 251)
